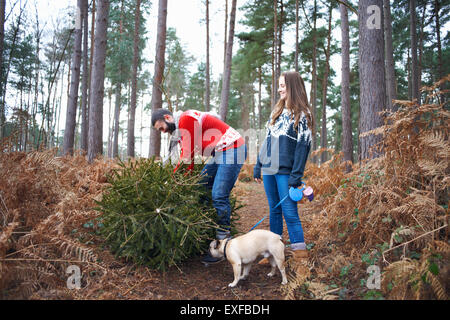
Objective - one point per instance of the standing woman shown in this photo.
(283, 156)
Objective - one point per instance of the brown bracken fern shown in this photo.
(391, 211)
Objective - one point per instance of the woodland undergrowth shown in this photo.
(390, 212)
(46, 212)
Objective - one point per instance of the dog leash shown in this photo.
(266, 214)
(281, 201)
(295, 194)
(258, 223)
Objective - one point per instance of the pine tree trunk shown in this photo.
(323, 135)
(408, 74)
(207, 78)
(244, 109)
(440, 72)
(95, 146)
(110, 125)
(2, 37)
(84, 85)
(371, 75)
(36, 72)
(57, 112)
(389, 63)
(272, 93)
(118, 104)
(280, 42)
(69, 132)
(2, 29)
(314, 80)
(296, 37)
(275, 55)
(227, 70)
(155, 136)
(347, 141)
(133, 100)
(60, 101)
(421, 40)
(259, 98)
(225, 34)
(414, 64)
(91, 62)
(141, 127)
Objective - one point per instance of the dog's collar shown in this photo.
(225, 247)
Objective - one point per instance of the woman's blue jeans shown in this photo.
(276, 187)
(220, 175)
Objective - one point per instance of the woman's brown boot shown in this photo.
(299, 264)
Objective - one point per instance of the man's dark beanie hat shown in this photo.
(158, 114)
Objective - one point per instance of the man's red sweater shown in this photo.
(203, 132)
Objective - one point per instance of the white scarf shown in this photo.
(174, 139)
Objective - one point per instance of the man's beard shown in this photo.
(170, 126)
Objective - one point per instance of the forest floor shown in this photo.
(52, 199)
(193, 280)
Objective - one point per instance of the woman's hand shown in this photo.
(258, 180)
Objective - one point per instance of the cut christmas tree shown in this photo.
(155, 217)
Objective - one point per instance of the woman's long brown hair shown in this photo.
(296, 100)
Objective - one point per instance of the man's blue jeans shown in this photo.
(276, 187)
(220, 175)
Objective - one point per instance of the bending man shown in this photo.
(202, 132)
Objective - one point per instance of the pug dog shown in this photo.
(242, 251)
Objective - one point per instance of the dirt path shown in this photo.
(195, 281)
